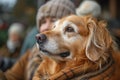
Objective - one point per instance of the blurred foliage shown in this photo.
(24, 11)
(3, 37)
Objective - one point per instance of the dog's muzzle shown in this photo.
(41, 38)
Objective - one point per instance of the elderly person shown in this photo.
(26, 66)
(12, 48)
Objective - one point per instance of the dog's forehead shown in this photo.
(73, 19)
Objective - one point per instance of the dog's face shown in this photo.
(73, 37)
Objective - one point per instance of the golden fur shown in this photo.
(89, 43)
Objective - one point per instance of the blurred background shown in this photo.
(24, 11)
(16, 11)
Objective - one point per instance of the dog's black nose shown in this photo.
(41, 38)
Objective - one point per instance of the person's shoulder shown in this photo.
(30, 38)
(33, 31)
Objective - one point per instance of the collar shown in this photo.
(76, 74)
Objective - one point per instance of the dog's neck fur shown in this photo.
(85, 66)
(52, 69)
(106, 68)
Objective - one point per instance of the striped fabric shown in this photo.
(55, 8)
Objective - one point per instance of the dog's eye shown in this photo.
(65, 54)
(53, 26)
(69, 29)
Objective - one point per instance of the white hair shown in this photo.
(16, 28)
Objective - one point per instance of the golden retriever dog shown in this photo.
(78, 48)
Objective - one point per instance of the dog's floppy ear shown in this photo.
(99, 39)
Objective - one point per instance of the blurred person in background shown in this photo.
(12, 48)
(47, 14)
